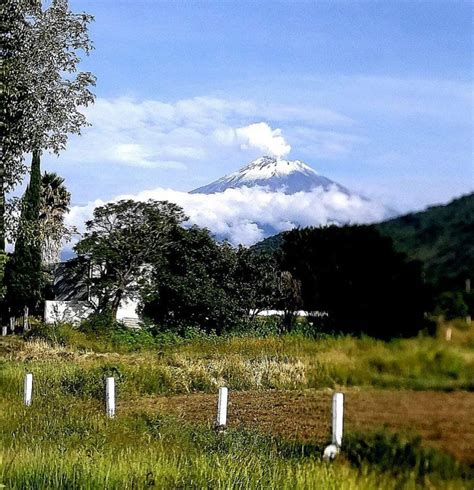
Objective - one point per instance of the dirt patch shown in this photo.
(443, 420)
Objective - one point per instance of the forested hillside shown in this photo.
(442, 237)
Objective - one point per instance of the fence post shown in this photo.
(12, 323)
(25, 319)
(28, 392)
(449, 334)
(334, 448)
(110, 397)
(222, 408)
(337, 418)
(4, 331)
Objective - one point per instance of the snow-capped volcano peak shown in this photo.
(266, 167)
(275, 174)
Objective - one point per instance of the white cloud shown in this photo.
(263, 137)
(152, 133)
(244, 215)
(257, 135)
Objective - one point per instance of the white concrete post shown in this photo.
(222, 407)
(337, 418)
(449, 334)
(28, 389)
(110, 397)
(12, 323)
(25, 319)
(4, 331)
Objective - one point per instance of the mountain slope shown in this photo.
(442, 237)
(288, 176)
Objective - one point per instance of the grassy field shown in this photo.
(409, 406)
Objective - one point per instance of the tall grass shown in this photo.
(288, 362)
(59, 444)
(64, 440)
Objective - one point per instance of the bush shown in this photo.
(131, 338)
(98, 323)
(451, 305)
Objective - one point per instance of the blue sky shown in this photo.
(375, 95)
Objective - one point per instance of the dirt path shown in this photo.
(443, 420)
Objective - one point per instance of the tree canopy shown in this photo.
(120, 241)
(353, 274)
(41, 89)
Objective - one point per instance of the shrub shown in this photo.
(132, 339)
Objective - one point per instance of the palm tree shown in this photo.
(55, 201)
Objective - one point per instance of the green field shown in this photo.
(64, 439)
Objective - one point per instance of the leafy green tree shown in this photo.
(40, 87)
(354, 275)
(121, 241)
(25, 278)
(194, 285)
(257, 279)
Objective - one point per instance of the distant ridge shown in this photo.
(442, 237)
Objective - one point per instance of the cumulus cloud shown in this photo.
(262, 136)
(258, 135)
(156, 134)
(246, 215)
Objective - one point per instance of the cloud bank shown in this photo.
(246, 215)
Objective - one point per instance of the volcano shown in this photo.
(276, 175)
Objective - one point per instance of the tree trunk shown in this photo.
(116, 303)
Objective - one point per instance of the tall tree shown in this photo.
(25, 278)
(121, 240)
(193, 284)
(55, 201)
(354, 275)
(40, 87)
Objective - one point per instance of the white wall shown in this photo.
(75, 311)
(66, 311)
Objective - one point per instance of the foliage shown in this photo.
(41, 89)
(257, 278)
(451, 305)
(193, 284)
(3, 263)
(25, 279)
(441, 237)
(120, 242)
(55, 201)
(353, 274)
